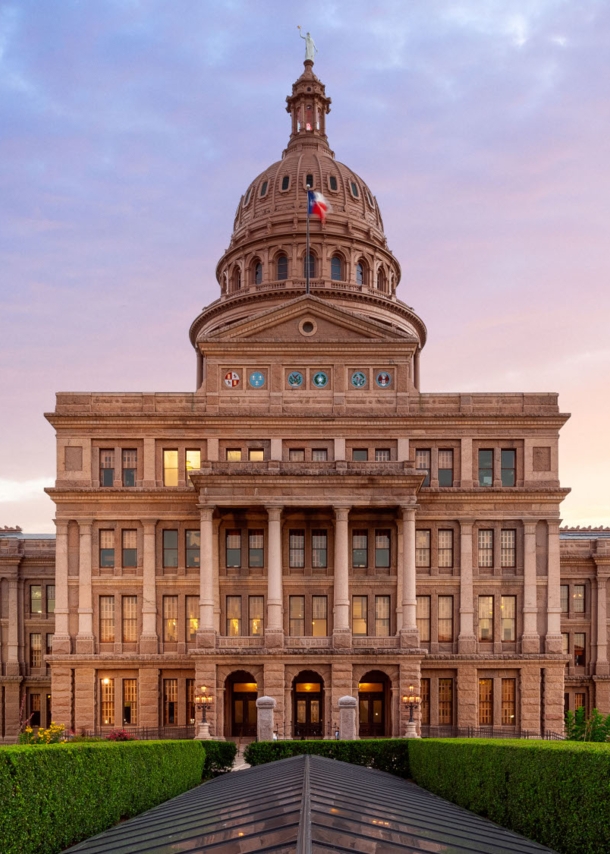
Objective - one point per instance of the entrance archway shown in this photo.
(241, 692)
(308, 694)
(373, 704)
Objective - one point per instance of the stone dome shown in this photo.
(349, 261)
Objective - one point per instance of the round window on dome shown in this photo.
(369, 198)
(354, 188)
(248, 194)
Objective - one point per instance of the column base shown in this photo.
(149, 644)
(85, 644)
(602, 668)
(411, 730)
(467, 644)
(342, 639)
(530, 643)
(62, 645)
(206, 639)
(553, 643)
(274, 638)
(203, 733)
(409, 639)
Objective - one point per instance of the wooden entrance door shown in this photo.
(372, 714)
(244, 714)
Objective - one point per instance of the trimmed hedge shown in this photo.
(219, 757)
(391, 755)
(56, 795)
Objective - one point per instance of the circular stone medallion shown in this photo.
(383, 379)
(231, 379)
(295, 379)
(257, 379)
(358, 379)
(320, 379)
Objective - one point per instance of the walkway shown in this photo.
(307, 804)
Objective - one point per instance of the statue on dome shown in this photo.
(310, 45)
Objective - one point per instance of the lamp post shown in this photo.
(411, 701)
(203, 701)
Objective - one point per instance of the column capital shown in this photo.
(341, 511)
(408, 510)
(83, 524)
(206, 511)
(274, 512)
(149, 525)
(529, 525)
(61, 526)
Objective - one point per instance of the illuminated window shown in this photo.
(106, 548)
(579, 649)
(256, 550)
(445, 467)
(580, 701)
(445, 548)
(130, 702)
(170, 468)
(486, 547)
(508, 459)
(360, 549)
(256, 455)
(445, 702)
(564, 598)
(193, 548)
(486, 618)
(107, 702)
(36, 650)
(296, 558)
(319, 605)
(106, 619)
(192, 618)
(106, 467)
(578, 599)
(486, 704)
(234, 616)
(233, 455)
(170, 702)
(170, 549)
(130, 548)
(50, 598)
(508, 605)
(424, 691)
(382, 616)
(130, 466)
(486, 467)
(508, 702)
(256, 615)
(36, 599)
(382, 549)
(170, 619)
(445, 619)
(360, 616)
(423, 618)
(508, 547)
(296, 611)
(233, 539)
(422, 548)
(422, 464)
(192, 460)
(318, 549)
(130, 619)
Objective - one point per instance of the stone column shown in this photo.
(61, 696)
(342, 634)
(466, 641)
(150, 690)
(553, 697)
(61, 637)
(265, 725)
(274, 628)
(530, 685)
(13, 667)
(348, 729)
(467, 696)
(409, 636)
(206, 636)
(601, 657)
(530, 640)
(84, 640)
(149, 641)
(84, 699)
(553, 635)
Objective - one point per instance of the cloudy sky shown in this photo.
(130, 128)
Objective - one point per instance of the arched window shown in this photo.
(361, 273)
(282, 268)
(236, 279)
(309, 261)
(336, 268)
(285, 182)
(257, 272)
(380, 279)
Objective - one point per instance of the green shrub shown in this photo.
(383, 754)
(56, 795)
(219, 757)
(581, 728)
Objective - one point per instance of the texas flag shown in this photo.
(318, 205)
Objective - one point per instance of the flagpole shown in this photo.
(307, 248)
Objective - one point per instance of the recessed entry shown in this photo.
(308, 326)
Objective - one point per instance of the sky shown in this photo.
(129, 130)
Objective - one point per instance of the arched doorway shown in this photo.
(308, 693)
(242, 691)
(373, 704)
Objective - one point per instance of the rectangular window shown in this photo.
(256, 455)
(319, 455)
(486, 702)
(130, 548)
(35, 710)
(106, 548)
(36, 599)
(319, 622)
(233, 539)
(170, 468)
(508, 464)
(382, 455)
(564, 598)
(296, 455)
(318, 549)
(106, 619)
(508, 606)
(422, 548)
(445, 548)
(36, 650)
(445, 619)
(509, 706)
(360, 455)
(382, 616)
(579, 649)
(130, 466)
(193, 548)
(256, 547)
(580, 701)
(107, 701)
(424, 691)
(296, 610)
(445, 702)
(192, 461)
(170, 549)
(190, 701)
(508, 547)
(422, 464)
(50, 599)
(359, 616)
(360, 549)
(130, 702)
(170, 619)
(130, 619)
(170, 702)
(234, 616)
(233, 455)
(423, 618)
(296, 558)
(192, 618)
(49, 646)
(486, 618)
(486, 547)
(578, 599)
(445, 467)
(256, 615)
(486, 467)
(382, 549)
(565, 643)
(106, 467)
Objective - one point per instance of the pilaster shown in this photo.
(553, 641)
(530, 640)
(85, 642)
(342, 634)
(61, 637)
(149, 641)
(467, 643)
(274, 628)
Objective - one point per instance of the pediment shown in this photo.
(309, 318)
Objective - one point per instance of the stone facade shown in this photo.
(307, 525)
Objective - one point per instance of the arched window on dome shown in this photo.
(236, 279)
(310, 261)
(336, 268)
(381, 280)
(285, 182)
(282, 268)
(257, 272)
(361, 272)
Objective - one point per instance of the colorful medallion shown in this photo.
(320, 379)
(257, 379)
(383, 379)
(231, 379)
(358, 379)
(295, 379)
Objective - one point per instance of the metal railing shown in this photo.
(143, 733)
(475, 732)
